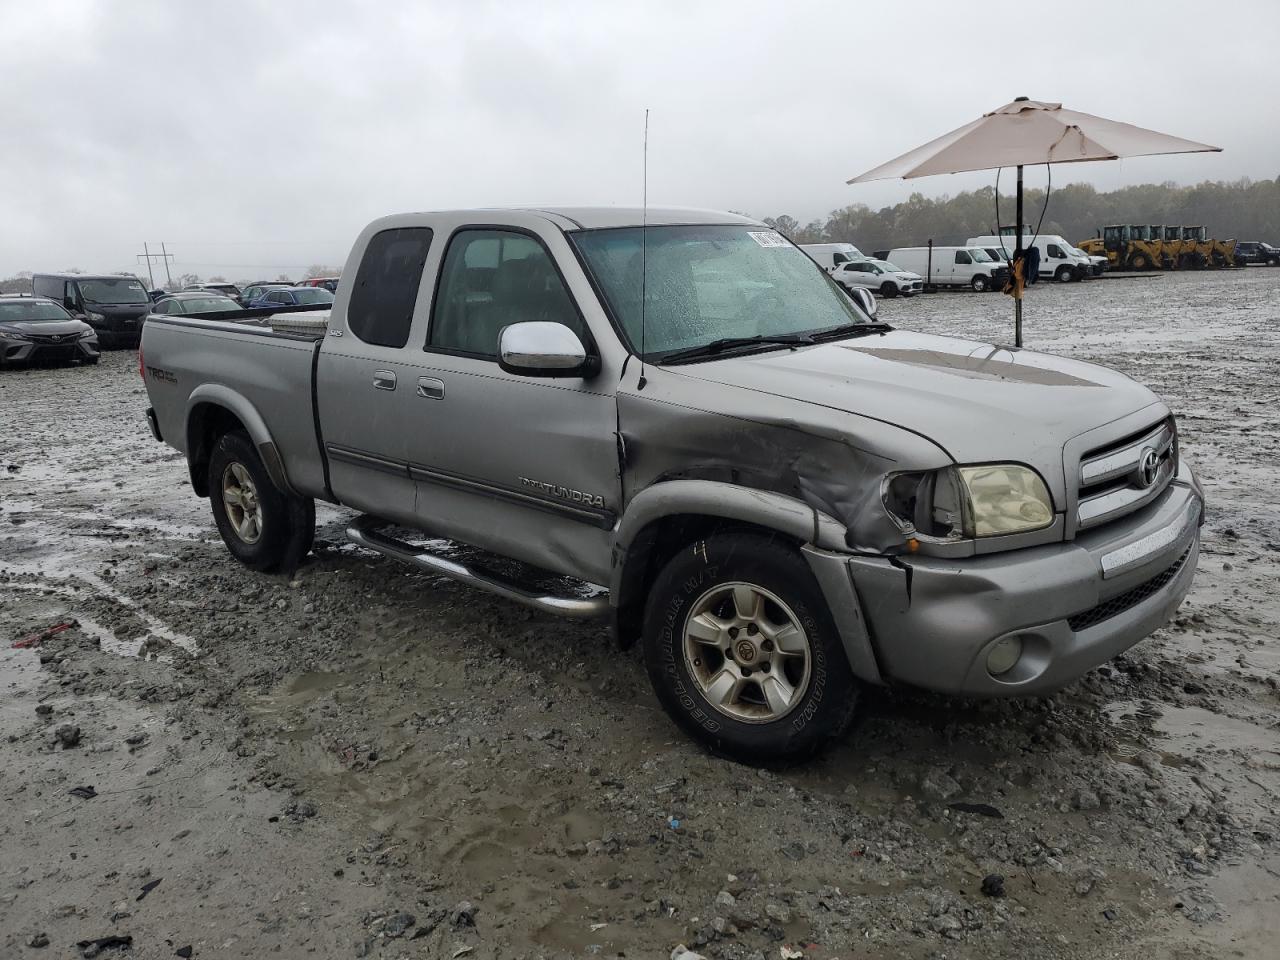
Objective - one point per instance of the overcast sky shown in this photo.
(255, 137)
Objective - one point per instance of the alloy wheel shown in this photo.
(747, 652)
(240, 496)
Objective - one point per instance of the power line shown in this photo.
(165, 256)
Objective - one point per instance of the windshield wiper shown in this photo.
(728, 343)
(850, 330)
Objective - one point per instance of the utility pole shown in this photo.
(164, 256)
(147, 253)
(165, 253)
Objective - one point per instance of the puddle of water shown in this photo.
(71, 583)
(317, 681)
(19, 671)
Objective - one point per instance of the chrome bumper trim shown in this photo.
(1139, 551)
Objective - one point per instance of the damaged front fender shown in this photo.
(675, 429)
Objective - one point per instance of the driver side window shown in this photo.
(963, 257)
(489, 280)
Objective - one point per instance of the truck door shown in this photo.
(366, 379)
(523, 465)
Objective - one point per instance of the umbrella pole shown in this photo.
(1019, 258)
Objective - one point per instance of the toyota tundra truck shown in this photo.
(683, 418)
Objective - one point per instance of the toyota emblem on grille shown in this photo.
(1148, 467)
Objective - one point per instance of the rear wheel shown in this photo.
(1139, 261)
(263, 527)
(742, 651)
(888, 290)
(979, 283)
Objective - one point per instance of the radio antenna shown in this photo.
(644, 245)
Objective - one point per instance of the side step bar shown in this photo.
(364, 531)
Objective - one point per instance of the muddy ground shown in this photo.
(361, 760)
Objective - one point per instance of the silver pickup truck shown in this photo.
(782, 499)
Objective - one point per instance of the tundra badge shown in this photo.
(564, 493)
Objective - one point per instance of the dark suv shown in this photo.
(113, 305)
(1254, 251)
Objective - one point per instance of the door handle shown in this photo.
(431, 388)
(384, 380)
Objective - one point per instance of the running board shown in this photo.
(365, 531)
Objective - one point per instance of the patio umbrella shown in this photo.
(1024, 133)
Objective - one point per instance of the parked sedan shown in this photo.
(194, 301)
(226, 289)
(292, 297)
(255, 291)
(329, 283)
(881, 276)
(37, 329)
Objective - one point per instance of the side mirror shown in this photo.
(865, 299)
(539, 348)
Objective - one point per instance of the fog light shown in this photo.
(1004, 655)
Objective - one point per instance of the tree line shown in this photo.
(1241, 210)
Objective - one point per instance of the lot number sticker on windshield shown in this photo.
(767, 238)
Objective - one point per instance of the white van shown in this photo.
(831, 255)
(952, 266)
(1059, 260)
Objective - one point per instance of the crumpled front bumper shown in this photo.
(932, 623)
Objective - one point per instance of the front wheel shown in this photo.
(979, 283)
(742, 651)
(888, 290)
(263, 527)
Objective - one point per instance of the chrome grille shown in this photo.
(1127, 475)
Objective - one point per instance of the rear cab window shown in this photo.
(380, 310)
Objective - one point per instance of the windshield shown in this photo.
(208, 305)
(113, 290)
(709, 282)
(25, 310)
(891, 267)
(980, 256)
(312, 295)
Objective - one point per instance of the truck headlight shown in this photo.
(97, 317)
(960, 503)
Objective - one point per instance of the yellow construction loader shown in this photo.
(1126, 247)
(1144, 249)
(1171, 245)
(1199, 250)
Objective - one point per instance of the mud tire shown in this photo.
(827, 705)
(288, 523)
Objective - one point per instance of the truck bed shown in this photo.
(190, 360)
